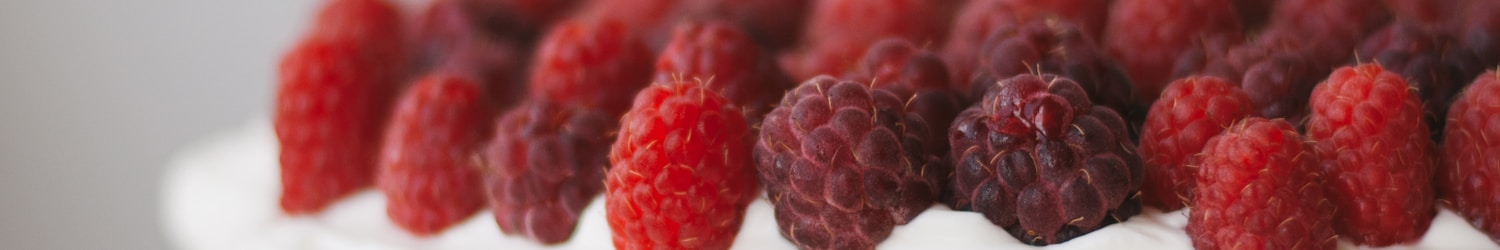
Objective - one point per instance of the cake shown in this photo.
(221, 193)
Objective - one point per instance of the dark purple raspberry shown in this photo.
(844, 163)
(1037, 158)
(1275, 70)
(1431, 60)
(543, 167)
(902, 67)
(1055, 47)
(1480, 30)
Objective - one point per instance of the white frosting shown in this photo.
(222, 194)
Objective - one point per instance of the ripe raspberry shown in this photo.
(1370, 136)
(1259, 188)
(1479, 28)
(979, 18)
(1432, 61)
(426, 162)
(544, 165)
(368, 23)
(904, 69)
(1055, 47)
(593, 64)
(1340, 22)
(840, 30)
(1148, 36)
(682, 177)
(844, 163)
(331, 107)
(1427, 12)
(775, 24)
(1276, 70)
(1190, 111)
(1253, 13)
(448, 41)
(1467, 180)
(1037, 158)
(725, 58)
(518, 19)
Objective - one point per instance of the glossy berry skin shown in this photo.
(331, 106)
(1037, 158)
(1055, 47)
(1375, 149)
(1469, 177)
(427, 166)
(844, 163)
(1190, 111)
(544, 165)
(593, 64)
(682, 176)
(1258, 187)
(1148, 36)
(725, 59)
(838, 31)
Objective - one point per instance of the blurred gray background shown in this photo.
(95, 96)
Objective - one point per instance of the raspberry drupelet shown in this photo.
(1037, 158)
(844, 163)
(543, 167)
(1469, 177)
(1054, 47)
(427, 166)
(1189, 112)
(1378, 156)
(682, 176)
(1259, 187)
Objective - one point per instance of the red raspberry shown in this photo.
(682, 175)
(1427, 12)
(426, 162)
(544, 165)
(520, 19)
(1432, 60)
(978, 19)
(775, 24)
(1037, 158)
(331, 107)
(593, 64)
(1276, 70)
(1340, 22)
(840, 30)
(1055, 47)
(1148, 36)
(1259, 188)
(1371, 138)
(898, 65)
(448, 41)
(1190, 111)
(844, 163)
(372, 24)
(1467, 180)
(725, 58)
(1479, 28)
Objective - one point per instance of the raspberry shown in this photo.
(331, 107)
(1467, 179)
(903, 68)
(1276, 70)
(594, 64)
(682, 175)
(369, 23)
(1253, 13)
(1148, 36)
(1258, 187)
(1190, 111)
(979, 18)
(840, 30)
(519, 19)
(1371, 137)
(844, 163)
(775, 24)
(1340, 22)
(1480, 30)
(426, 169)
(1055, 47)
(1037, 158)
(449, 42)
(544, 165)
(1432, 61)
(1426, 12)
(725, 58)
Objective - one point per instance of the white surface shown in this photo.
(222, 195)
(95, 95)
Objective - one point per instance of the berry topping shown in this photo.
(844, 163)
(593, 64)
(682, 174)
(1148, 36)
(1376, 151)
(1037, 158)
(1259, 187)
(427, 166)
(544, 165)
(724, 58)
(1469, 179)
(1189, 112)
